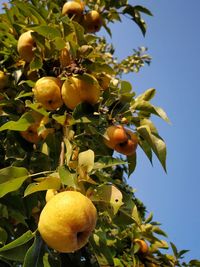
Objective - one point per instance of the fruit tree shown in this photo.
(70, 128)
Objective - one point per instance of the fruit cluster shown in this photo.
(52, 92)
(68, 230)
(68, 113)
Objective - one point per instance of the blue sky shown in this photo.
(173, 40)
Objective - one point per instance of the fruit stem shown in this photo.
(39, 173)
(62, 154)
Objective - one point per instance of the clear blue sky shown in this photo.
(173, 39)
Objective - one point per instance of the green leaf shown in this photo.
(34, 256)
(50, 182)
(135, 215)
(48, 31)
(18, 242)
(182, 252)
(3, 236)
(108, 194)
(156, 143)
(147, 95)
(149, 218)
(158, 231)
(24, 94)
(142, 24)
(126, 87)
(194, 263)
(118, 263)
(59, 43)
(103, 253)
(145, 106)
(67, 178)
(15, 254)
(30, 11)
(143, 10)
(132, 161)
(11, 178)
(107, 162)
(36, 63)
(100, 67)
(146, 148)
(161, 113)
(21, 125)
(37, 107)
(159, 244)
(174, 249)
(79, 30)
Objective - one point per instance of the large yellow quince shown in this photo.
(47, 92)
(77, 89)
(25, 46)
(67, 221)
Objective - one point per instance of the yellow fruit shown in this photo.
(31, 134)
(73, 10)
(25, 46)
(67, 221)
(3, 80)
(47, 92)
(144, 248)
(79, 89)
(120, 139)
(50, 193)
(92, 21)
(65, 58)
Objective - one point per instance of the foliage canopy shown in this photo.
(70, 152)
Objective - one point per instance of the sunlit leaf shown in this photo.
(21, 125)
(145, 106)
(159, 244)
(86, 160)
(68, 178)
(135, 215)
(50, 182)
(48, 31)
(108, 194)
(147, 95)
(36, 63)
